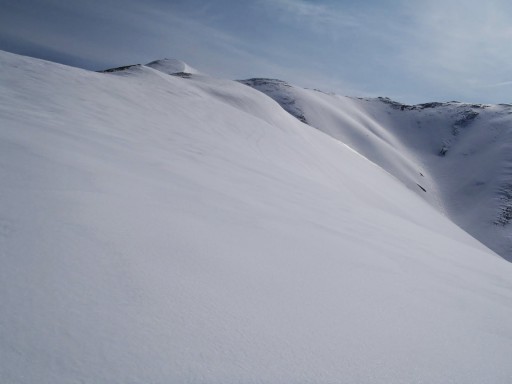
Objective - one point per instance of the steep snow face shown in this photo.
(467, 149)
(281, 92)
(158, 229)
(456, 156)
(172, 66)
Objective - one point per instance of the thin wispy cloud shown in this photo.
(414, 51)
(459, 44)
(322, 18)
(454, 46)
(300, 10)
(502, 84)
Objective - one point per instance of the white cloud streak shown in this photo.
(447, 46)
(459, 44)
(322, 18)
(412, 50)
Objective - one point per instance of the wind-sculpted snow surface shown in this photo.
(277, 90)
(167, 66)
(172, 66)
(457, 156)
(155, 229)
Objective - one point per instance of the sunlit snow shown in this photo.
(167, 229)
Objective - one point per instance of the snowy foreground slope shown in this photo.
(457, 156)
(160, 229)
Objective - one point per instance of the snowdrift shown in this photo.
(166, 229)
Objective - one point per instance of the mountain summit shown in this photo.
(172, 66)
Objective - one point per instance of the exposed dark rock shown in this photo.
(428, 105)
(184, 75)
(393, 104)
(118, 69)
(277, 90)
(260, 81)
(505, 211)
(465, 118)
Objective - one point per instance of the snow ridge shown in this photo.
(277, 90)
(167, 66)
(156, 229)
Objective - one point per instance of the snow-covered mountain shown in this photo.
(172, 66)
(157, 228)
(167, 66)
(457, 156)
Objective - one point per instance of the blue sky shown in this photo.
(412, 51)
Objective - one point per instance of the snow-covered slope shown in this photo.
(159, 229)
(457, 156)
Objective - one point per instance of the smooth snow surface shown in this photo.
(159, 229)
(456, 156)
